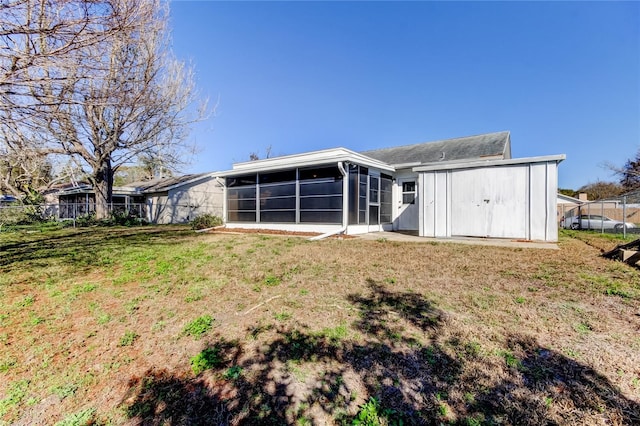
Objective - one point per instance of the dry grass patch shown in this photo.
(161, 325)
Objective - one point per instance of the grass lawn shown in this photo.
(160, 325)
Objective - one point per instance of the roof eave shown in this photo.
(466, 164)
(305, 160)
(187, 182)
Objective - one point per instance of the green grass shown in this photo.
(81, 418)
(233, 373)
(15, 394)
(272, 281)
(128, 339)
(205, 360)
(101, 314)
(198, 327)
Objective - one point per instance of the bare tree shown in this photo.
(116, 96)
(41, 39)
(630, 173)
(255, 156)
(601, 190)
(24, 171)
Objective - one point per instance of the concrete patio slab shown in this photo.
(498, 242)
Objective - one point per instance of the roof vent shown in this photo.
(442, 156)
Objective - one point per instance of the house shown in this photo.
(566, 204)
(469, 186)
(163, 200)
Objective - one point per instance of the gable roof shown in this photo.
(142, 187)
(489, 145)
(164, 184)
(565, 199)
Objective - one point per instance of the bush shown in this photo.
(115, 219)
(86, 220)
(124, 219)
(206, 221)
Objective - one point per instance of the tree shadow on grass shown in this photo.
(546, 387)
(301, 377)
(81, 247)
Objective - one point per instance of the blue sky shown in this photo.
(564, 78)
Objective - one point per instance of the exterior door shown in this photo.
(490, 202)
(408, 204)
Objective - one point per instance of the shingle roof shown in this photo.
(470, 147)
(162, 184)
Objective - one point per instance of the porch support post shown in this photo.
(345, 196)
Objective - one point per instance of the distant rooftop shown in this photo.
(162, 184)
(489, 145)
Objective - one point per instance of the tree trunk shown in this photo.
(103, 187)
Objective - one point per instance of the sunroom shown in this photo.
(334, 190)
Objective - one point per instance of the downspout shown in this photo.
(345, 206)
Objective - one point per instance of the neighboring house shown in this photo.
(165, 200)
(625, 207)
(181, 199)
(566, 204)
(466, 186)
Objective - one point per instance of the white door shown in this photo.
(408, 204)
(489, 202)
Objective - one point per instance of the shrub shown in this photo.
(86, 220)
(124, 219)
(206, 221)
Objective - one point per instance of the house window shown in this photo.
(278, 202)
(374, 188)
(386, 197)
(408, 192)
(321, 195)
(307, 195)
(362, 195)
(241, 198)
(374, 200)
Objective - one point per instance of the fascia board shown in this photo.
(488, 163)
(571, 199)
(187, 182)
(306, 159)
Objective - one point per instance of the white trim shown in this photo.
(565, 199)
(314, 158)
(291, 227)
(466, 164)
(177, 185)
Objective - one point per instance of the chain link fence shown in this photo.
(619, 215)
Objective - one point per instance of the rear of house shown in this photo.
(458, 187)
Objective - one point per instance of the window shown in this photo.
(307, 195)
(386, 197)
(374, 183)
(278, 202)
(275, 177)
(321, 195)
(362, 196)
(241, 204)
(245, 180)
(408, 192)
